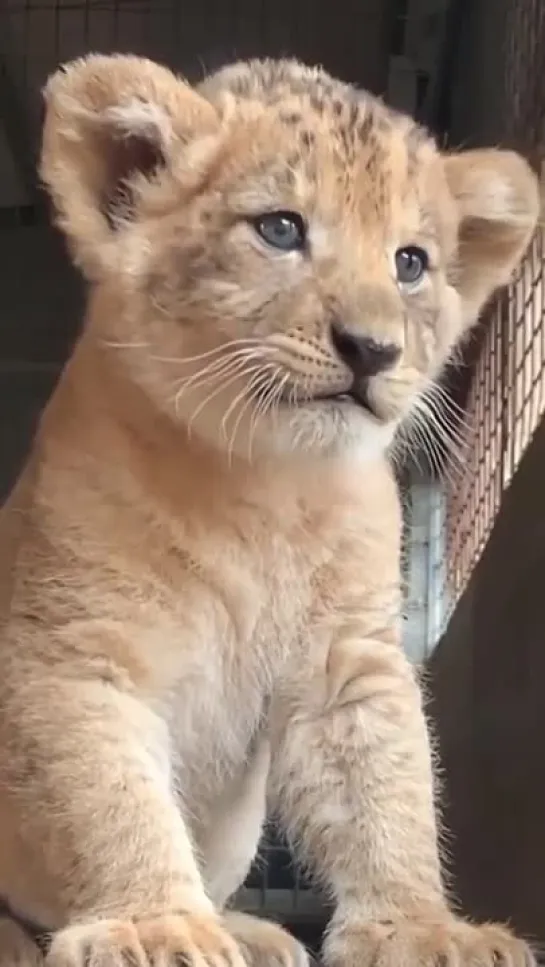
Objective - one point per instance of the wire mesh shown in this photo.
(506, 403)
(507, 395)
(276, 883)
(194, 37)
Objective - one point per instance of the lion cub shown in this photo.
(204, 603)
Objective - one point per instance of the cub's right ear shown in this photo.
(111, 123)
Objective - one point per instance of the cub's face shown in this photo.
(280, 261)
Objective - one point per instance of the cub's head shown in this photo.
(280, 261)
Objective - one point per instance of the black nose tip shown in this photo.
(362, 354)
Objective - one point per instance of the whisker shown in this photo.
(261, 396)
(242, 345)
(276, 399)
(233, 405)
(232, 377)
(232, 440)
(124, 345)
(269, 387)
(437, 425)
(200, 378)
(292, 399)
(224, 348)
(413, 435)
(447, 428)
(426, 441)
(250, 398)
(402, 447)
(216, 365)
(439, 390)
(261, 409)
(444, 451)
(215, 369)
(246, 400)
(438, 397)
(278, 396)
(255, 372)
(443, 431)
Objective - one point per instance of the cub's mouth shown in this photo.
(357, 396)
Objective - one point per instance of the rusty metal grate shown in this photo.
(507, 396)
(506, 403)
(276, 883)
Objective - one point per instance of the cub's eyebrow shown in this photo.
(428, 229)
(256, 202)
(431, 239)
(269, 189)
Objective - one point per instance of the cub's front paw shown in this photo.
(433, 943)
(168, 941)
(265, 944)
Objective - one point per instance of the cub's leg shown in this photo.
(84, 766)
(235, 827)
(227, 856)
(352, 768)
(16, 948)
(265, 944)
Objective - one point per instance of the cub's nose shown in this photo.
(363, 355)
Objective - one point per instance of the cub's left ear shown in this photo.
(112, 124)
(497, 198)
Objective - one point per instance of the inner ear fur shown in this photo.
(496, 194)
(111, 121)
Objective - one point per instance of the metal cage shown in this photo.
(506, 398)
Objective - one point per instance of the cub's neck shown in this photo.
(102, 433)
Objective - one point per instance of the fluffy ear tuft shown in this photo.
(109, 119)
(497, 198)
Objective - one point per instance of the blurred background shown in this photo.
(474, 496)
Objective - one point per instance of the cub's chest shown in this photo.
(249, 604)
(260, 583)
(243, 585)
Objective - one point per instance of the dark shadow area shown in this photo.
(487, 681)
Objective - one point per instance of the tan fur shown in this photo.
(207, 573)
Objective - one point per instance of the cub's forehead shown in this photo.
(272, 81)
(321, 119)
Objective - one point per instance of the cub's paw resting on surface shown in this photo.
(437, 943)
(167, 941)
(265, 944)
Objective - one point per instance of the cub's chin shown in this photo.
(319, 428)
(334, 427)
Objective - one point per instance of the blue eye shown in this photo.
(281, 230)
(411, 264)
